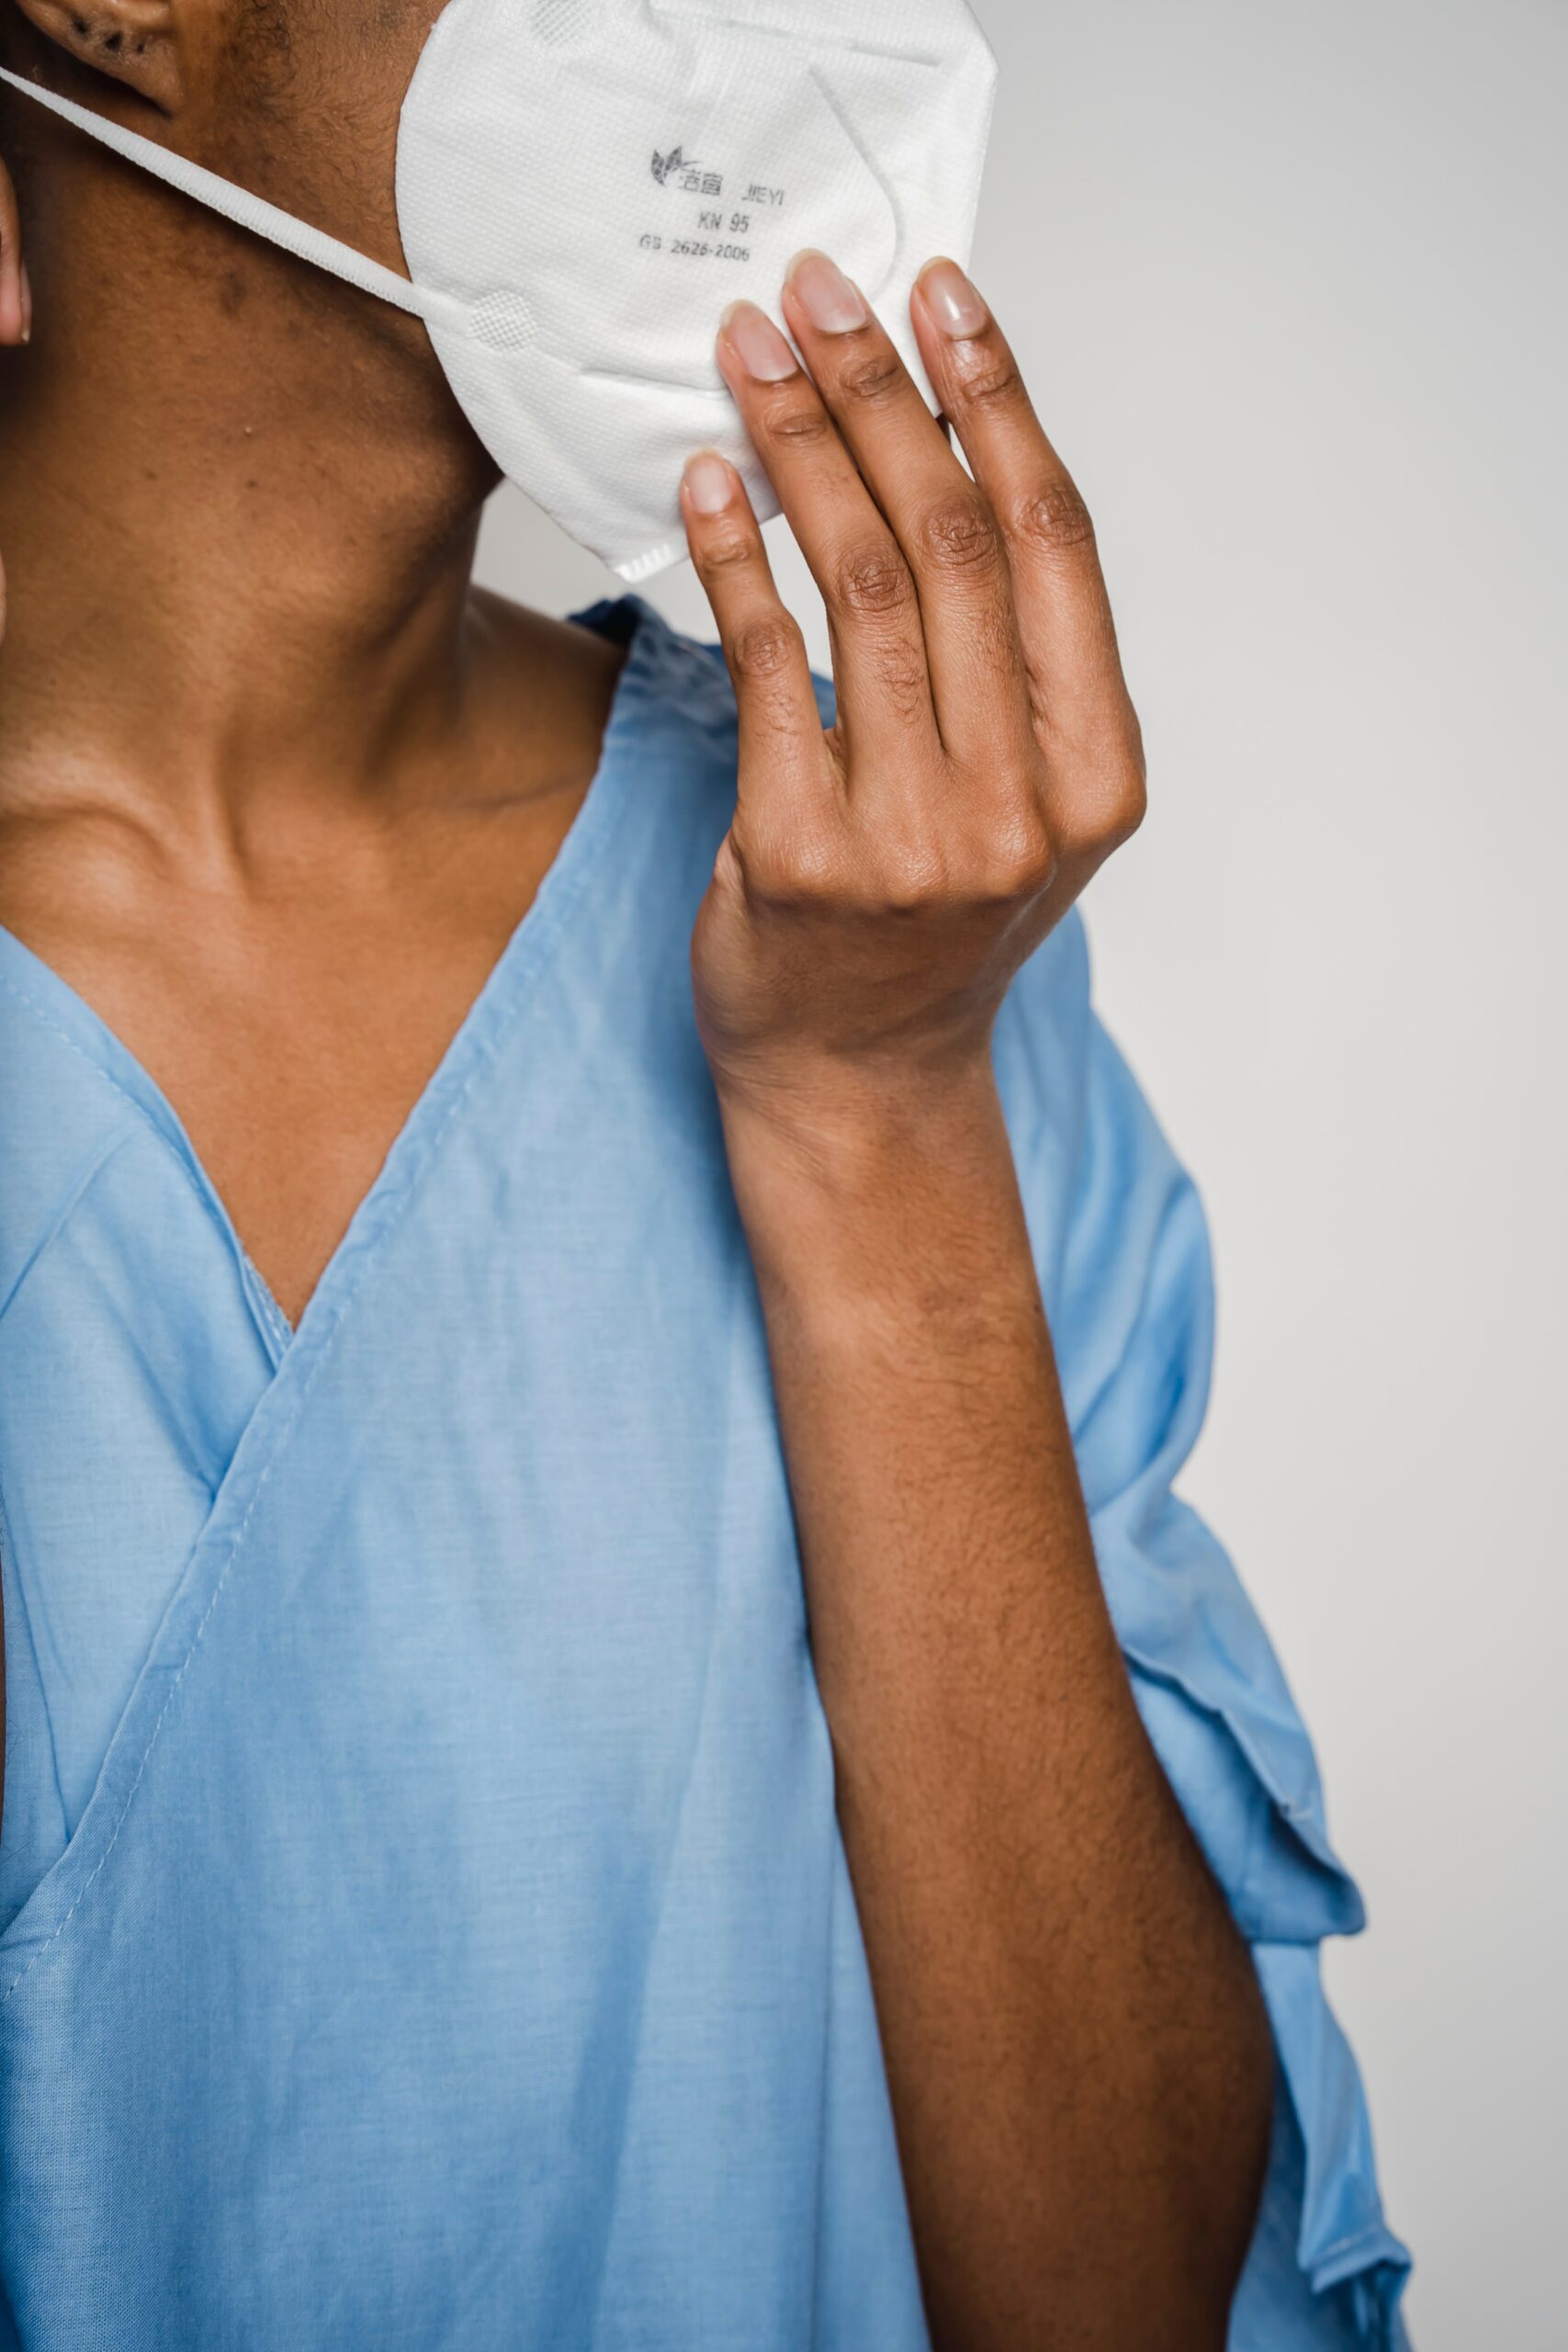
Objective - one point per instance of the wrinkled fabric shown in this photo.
(424, 1917)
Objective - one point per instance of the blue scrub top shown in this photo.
(424, 1916)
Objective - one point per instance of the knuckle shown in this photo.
(1130, 803)
(786, 874)
(995, 387)
(960, 535)
(731, 551)
(763, 649)
(1022, 863)
(1054, 521)
(1129, 812)
(801, 425)
(1108, 812)
(1137, 757)
(914, 880)
(873, 378)
(1125, 794)
(874, 582)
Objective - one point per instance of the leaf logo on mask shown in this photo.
(665, 166)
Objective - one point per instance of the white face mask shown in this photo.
(584, 186)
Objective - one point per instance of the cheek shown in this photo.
(305, 101)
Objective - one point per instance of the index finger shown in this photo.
(1064, 608)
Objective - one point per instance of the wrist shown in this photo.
(846, 1131)
(863, 1186)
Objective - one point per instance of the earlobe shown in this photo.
(134, 42)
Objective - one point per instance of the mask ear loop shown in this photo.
(251, 212)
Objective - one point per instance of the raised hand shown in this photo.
(885, 880)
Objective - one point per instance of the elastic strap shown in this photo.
(248, 211)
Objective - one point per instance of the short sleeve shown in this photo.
(1123, 1252)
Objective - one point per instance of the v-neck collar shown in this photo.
(28, 978)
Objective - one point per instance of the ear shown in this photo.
(133, 41)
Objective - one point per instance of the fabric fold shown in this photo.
(1131, 1286)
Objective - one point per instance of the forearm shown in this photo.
(1080, 2064)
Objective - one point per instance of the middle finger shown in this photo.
(879, 653)
(941, 519)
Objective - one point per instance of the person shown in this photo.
(615, 1734)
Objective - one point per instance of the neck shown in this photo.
(238, 508)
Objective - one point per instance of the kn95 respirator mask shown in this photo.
(583, 187)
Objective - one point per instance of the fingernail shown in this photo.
(831, 302)
(955, 306)
(710, 483)
(760, 348)
(25, 285)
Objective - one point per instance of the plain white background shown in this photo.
(1289, 285)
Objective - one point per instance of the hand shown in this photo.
(885, 880)
(16, 299)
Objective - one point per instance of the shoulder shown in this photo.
(677, 686)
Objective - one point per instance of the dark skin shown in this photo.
(275, 787)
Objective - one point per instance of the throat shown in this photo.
(294, 1046)
(293, 1013)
